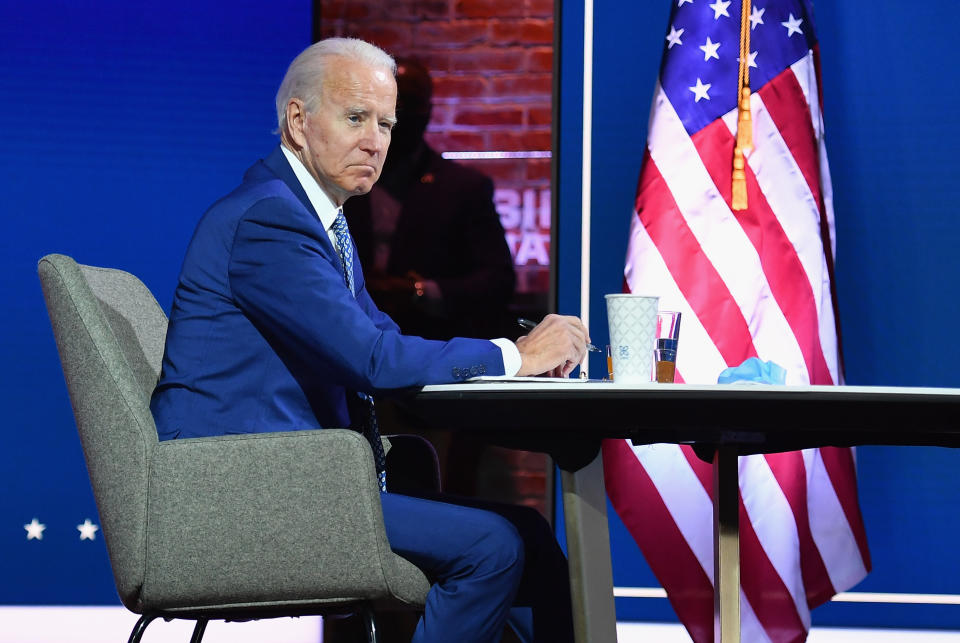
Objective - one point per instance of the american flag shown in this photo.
(755, 282)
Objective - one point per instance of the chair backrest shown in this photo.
(110, 333)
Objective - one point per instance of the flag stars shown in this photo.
(720, 9)
(682, 2)
(87, 530)
(756, 17)
(674, 37)
(751, 59)
(793, 25)
(710, 50)
(700, 91)
(35, 530)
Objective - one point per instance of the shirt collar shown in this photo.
(322, 203)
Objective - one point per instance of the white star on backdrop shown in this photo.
(680, 4)
(710, 50)
(793, 25)
(34, 530)
(700, 91)
(756, 17)
(720, 9)
(87, 530)
(751, 59)
(674, 37)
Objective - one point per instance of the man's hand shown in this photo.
(555, 347)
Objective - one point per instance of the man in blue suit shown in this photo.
(271, 329)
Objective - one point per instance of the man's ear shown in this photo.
(296, 121)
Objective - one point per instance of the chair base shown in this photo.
(139, 628)
(369, 623)
(365, 610)
(146, 619)
(198, 630)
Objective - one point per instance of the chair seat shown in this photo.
(231, 527)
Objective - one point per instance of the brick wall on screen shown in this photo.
(491, 63)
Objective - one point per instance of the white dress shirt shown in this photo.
(327, 211)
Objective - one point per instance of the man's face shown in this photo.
(345, 138)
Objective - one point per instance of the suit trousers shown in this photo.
(489, 563)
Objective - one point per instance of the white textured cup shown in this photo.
(633, 326)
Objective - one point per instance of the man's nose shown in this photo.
(375, 139)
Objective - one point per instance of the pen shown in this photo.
(530, 325)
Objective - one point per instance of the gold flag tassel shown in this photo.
(744, 125)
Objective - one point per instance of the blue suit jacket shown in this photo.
(264, 334)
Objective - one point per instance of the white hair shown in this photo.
(305, 75)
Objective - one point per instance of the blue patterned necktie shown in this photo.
(366, 412)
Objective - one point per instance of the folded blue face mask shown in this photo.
(754, 370)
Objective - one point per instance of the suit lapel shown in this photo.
(275, 166)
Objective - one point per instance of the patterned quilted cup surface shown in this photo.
(633, 325)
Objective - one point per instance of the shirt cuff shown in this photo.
(511, 356)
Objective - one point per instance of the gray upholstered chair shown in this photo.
(232, 527)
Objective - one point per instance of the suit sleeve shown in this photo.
(284, 274)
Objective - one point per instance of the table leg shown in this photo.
(588, 550)
(726, 546)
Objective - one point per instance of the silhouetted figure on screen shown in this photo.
(428, 234)
(433, 250)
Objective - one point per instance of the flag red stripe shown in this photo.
(694, 274)
(761, 584)
(781, 265)
(771, 601)
(838, 461)
(791, 474)
(784, 100)
(780, 97)
(703, 470)
(824, 223)
(641, 508)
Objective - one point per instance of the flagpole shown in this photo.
(584, 490)
(586, 176)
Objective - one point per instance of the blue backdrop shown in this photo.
(120, 122)
(892, 129)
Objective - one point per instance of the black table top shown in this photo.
(754, 418)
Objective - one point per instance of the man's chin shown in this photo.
(357, 184)
(362, 187)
